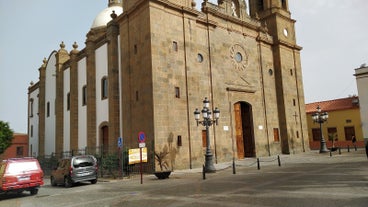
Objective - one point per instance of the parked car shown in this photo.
(74, 170)
(20, 174)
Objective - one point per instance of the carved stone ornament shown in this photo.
(239, 57)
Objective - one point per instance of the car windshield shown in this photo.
(83, 162)
(21, 167)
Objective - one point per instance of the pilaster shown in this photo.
(91, 91)
(113, 80)
(74, 98)
(61, 57)
(42, 108)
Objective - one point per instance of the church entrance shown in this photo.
(245, 143)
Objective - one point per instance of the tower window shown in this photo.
(48, 109)
(283, 4)
(84, 95)
(104, 88)
(291, 72)
(31, 107)
(177, 92)
(175, 46)
(294, 102)
(136, 96)
(260, 5)
(68, 101)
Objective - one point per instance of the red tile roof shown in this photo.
(333, 105)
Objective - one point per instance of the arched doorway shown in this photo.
(245, 143)
(105, 139)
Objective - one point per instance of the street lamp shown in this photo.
(321, 117)
(207, 122)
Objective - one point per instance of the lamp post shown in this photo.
(207, 122)
(321, 117)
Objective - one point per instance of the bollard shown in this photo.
(204, 173)
(339, 150)
(348, 148)
(258, 166)
(234, 172)
(330, 153)
(278, 159)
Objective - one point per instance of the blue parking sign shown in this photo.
(120, 142)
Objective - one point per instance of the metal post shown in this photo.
(234, 172)
(209, 167)
(278, 159)
(323, 142)
(204, 172)
(258, 165)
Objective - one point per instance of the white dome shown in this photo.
(104, 17)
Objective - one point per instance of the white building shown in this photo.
(361, 75)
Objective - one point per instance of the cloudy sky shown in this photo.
(333, 34)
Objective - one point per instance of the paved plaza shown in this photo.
(308, 179)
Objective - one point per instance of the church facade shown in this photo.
(148, 64)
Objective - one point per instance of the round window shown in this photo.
(199, 58)
(238, 57)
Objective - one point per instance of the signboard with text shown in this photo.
(134, 155)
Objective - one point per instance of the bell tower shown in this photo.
(275, 16)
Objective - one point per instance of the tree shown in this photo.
(6, 136)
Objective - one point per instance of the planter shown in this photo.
(162, 175)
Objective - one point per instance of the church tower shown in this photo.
(276, 18)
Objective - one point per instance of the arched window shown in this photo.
(104, 88)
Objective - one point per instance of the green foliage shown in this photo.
(6, 136)
(161, 159)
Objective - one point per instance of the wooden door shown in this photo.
(239, 130)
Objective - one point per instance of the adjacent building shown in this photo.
(343, 122)
(361, 75)
(148, 64)
(18, 147)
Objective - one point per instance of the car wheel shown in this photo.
(67, 182)
(34, 191)
(52, 181)
(94, 181)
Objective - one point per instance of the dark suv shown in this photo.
(75, 169)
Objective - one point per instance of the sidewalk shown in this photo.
(306, 157)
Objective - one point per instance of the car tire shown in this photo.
(94, 181)
(52, 181)
(34, 191)
(68, 182)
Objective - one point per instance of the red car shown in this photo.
(20, 174)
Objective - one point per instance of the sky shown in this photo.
(333, 34)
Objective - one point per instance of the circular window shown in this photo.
(270, 71)
(238, 57)
(286, 32)
(200, 57)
